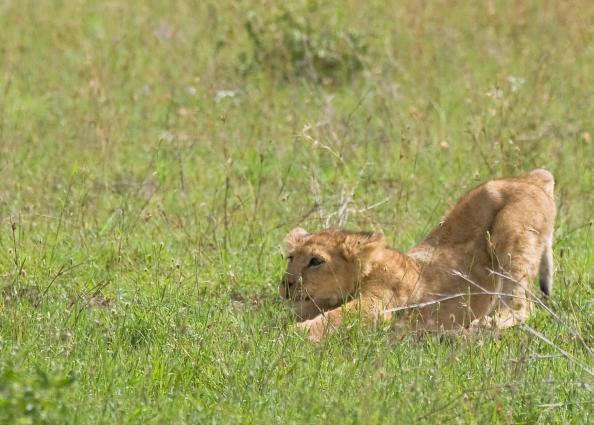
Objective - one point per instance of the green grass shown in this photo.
(142, 208)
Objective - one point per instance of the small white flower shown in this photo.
(166, 136)
(221, 94)
(515, 82)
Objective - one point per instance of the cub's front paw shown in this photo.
(315, 327)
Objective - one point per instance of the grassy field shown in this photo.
(154, 154)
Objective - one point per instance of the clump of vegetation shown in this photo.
(300, 40)
(31, 399)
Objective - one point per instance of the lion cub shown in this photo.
(475, 268)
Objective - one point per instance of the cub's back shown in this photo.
(464, 228)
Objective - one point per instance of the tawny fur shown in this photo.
(481, 261)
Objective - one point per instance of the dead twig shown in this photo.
(556, 347)
(449, 297)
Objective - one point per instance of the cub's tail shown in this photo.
(546, 269)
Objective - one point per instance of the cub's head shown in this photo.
(325, 268)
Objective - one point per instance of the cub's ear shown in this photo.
(294, 238)
(360, 245)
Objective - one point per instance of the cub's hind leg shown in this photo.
(519, 244)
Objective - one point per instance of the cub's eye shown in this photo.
(315, 261)
(289, 258)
